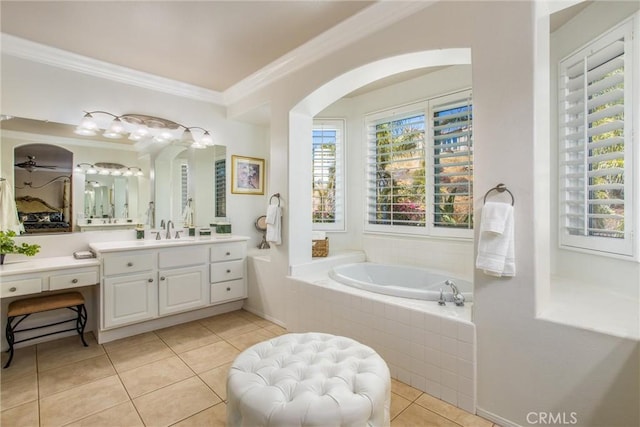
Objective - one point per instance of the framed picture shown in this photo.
(247, 175)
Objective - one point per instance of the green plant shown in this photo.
(9, 246)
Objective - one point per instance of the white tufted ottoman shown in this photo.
(308, 379)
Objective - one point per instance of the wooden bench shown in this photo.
(21, 309)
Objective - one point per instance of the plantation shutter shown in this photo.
(221, 188)
(452, 129)
(595, 144)
(328, 175)
(396, 170)
(184, 185)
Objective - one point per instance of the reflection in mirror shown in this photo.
(26, 149)
(107, 197)
(181, 174)
(42, 177)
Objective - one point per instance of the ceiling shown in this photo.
(209, 44)
(212, 44)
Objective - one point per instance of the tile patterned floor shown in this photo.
(170, 377)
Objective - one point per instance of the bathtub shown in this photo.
(400, 281)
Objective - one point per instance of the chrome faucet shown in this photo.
(162, 224)
(169, 227)
(458, 298)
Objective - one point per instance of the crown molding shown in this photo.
(369, 20)
(373, 18)
(25, 49)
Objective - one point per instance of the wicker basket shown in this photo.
(320, 247)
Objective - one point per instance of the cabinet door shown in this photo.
(183, 289)
(129, 299)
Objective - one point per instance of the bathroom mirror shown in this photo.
(107, 197)
(189, 186)
(43, 179)
(34, 164)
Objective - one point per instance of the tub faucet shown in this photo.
(169, 227)
(458, 298)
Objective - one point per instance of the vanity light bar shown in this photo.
(113, 169)
(138, 127)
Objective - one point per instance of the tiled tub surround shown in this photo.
(428, 346)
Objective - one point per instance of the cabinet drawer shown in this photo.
(64, 281)
(128, 263)
(226, 291)
(228, 251)
(20, 287)
(230, 270)
(181, 257)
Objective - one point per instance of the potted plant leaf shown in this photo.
(9, 246)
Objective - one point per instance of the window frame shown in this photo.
(339, 224)
(427, 108)
(626, 247)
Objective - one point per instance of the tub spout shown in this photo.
(458, 298)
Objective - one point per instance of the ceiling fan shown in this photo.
(31, 165)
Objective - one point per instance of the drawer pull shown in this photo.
(74, 281)
(150, 280)
(12, 289)
(228, 271)
(228, 253)
(162, 278)
(129, 264)
(228, 288)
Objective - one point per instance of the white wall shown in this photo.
(524, 364)
(38, 91)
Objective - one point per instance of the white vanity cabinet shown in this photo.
(227, 273)
(46, 274)
(182, 279)
(129, 288)
(146, 282)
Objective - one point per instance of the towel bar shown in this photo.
(500, 188)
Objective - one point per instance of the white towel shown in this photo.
(496, 255)
(187, 216)
(8, 212)
(274, 223)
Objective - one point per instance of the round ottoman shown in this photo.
(310, 379)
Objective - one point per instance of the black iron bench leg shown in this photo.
(10, 339)
(81, 323)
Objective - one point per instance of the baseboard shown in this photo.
(503, 422)
(107, 335)
(264, 316)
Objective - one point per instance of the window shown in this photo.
(184, 186)
(420, 168)
(221, 188)
(327, 186)
(596, 161)
(452, 165)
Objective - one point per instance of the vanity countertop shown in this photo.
(45, 264)
(165, 243)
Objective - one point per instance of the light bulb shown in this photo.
(206, 139)
(116, 129)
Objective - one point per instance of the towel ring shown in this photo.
(277, 195)
(500, 188)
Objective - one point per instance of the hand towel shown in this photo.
(274, 223)
(187, 216)
(496, 254)
(8, 212)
